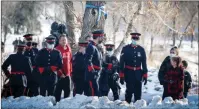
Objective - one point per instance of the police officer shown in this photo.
(109, 76)
(78, 73)
(133, 68)
(33, 87)
(93, 63)
(20, 71)
(49, 64)
(34, 44)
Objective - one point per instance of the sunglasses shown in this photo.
(135, 38)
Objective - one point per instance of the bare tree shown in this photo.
(129, 27)
(70, 16)
(193, 10)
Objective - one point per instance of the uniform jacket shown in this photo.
(31, 54)
(49, 61)
(19, 64)
(93, 60)
(110, 69)
(79, 66)
(133, 57)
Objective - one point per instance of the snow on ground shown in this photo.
(81, 101)
(151, 93)
(151, 98)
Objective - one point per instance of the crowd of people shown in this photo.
(52, 69)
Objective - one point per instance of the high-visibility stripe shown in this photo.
(91, 86)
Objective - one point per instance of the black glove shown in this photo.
(122, 81)
(115, 76)
(144, 80)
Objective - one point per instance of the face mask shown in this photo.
(172, 55)
(110, 53)
(50, 46)
(134, 42)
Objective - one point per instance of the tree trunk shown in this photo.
(5, 33)
(151, 48)
(116, 24)
(69, 8)
(181, 38)
(186, 28)
(173, 32)
(90, 19)
(119, 48)
(192, 37)
(18, 27)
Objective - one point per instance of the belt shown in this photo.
(96, 67)
(17, 73)
(132, 68)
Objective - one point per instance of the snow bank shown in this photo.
(81, 101)
(27, 102)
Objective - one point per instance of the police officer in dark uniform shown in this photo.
(109, 76)
(33, 87)
(93, 63)
(34, 45)
(133, 68)
(49, 63)
(21, 69)
(78, 73)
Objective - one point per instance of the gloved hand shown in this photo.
(144, 80)
(115, 76)
(122, 81)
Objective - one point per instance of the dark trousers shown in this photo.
(48, 83)
(32, 89)
(115, 89)
(50, 88)
(63, 84)
(113, 86)
(133, 88)
(17, 91)
(93, 87)
(165, 92)
(79, 86)
(86, 88)
(185, 94)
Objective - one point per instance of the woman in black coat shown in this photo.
(164, 67)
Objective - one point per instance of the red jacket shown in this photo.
(67, 59)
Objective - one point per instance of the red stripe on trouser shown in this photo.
(10, 91)
(24, 91)
(92, 90)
